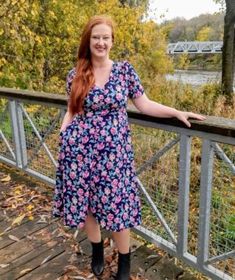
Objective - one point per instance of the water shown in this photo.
(195, 77)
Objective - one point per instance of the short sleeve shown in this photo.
(69, 80)
(135, 88)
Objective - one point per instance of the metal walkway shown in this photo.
(195, 47)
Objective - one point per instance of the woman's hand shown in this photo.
(184, 116)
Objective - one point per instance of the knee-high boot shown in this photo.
(97, 260)
(124, 264)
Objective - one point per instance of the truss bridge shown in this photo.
(195, 47)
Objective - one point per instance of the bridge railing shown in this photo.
(186, 176)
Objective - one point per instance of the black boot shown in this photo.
(97, 261)
(124, 265)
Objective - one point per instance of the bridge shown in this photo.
(186, 178)
(195, 47)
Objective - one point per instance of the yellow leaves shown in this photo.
(18, 220)
(203, 34)
(6, 179)
(29, 207)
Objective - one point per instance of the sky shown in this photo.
(181, 8)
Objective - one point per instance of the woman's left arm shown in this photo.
(152, 108)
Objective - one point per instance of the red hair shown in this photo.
(84, 78)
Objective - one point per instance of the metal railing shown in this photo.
(186, 176)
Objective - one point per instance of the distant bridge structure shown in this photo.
(195, 47)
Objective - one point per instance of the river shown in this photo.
(195, 77)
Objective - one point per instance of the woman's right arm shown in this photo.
(66, 121)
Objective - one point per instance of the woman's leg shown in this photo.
(94, 235)
(92, 229)
(122, 240)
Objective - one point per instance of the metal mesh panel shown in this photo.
(222, 233)
(6, 134)
(41, 126)
(160, 178)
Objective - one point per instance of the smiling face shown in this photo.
(101, 41)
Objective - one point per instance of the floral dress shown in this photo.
(95, 169)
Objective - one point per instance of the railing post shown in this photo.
(205, 202)
(18, 132)
(183, 202)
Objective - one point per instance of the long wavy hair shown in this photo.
(84, 78)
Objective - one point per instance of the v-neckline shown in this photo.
(109, 78)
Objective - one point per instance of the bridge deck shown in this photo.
(43, 249)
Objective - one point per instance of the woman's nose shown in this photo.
(101, 41)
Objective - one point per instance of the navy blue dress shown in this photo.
(96, 164)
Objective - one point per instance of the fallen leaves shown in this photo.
(14, 238)
(18, 220)
(6, 179)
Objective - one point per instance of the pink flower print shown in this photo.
(113, 206)
(92, 130)
(80, 191)
(128, 148)
(73, 209)
(96, 179)
(119, 96)
(79, 157)
(72, 175)
(113, 130)
(126, 207)
(85, 139)
(115, 182)
(104, 199)
(86, 174)
(109, 165)
(117, 220)
(71, 141)
(118, 199)
(110, 217)
(104, 173)
(108, 139)
(100, 146)
(73, 166)
(89, 114)
(112, 156)
(107, 100)
(81, 199)
(69, 217)
(126, 181)
(103, 132)
(107, 191)
(125, 216)
(135, 212)
(131, 197)
(104, 112)
(114, 189)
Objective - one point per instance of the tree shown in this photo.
(228, 56)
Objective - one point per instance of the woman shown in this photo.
(96, 182)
